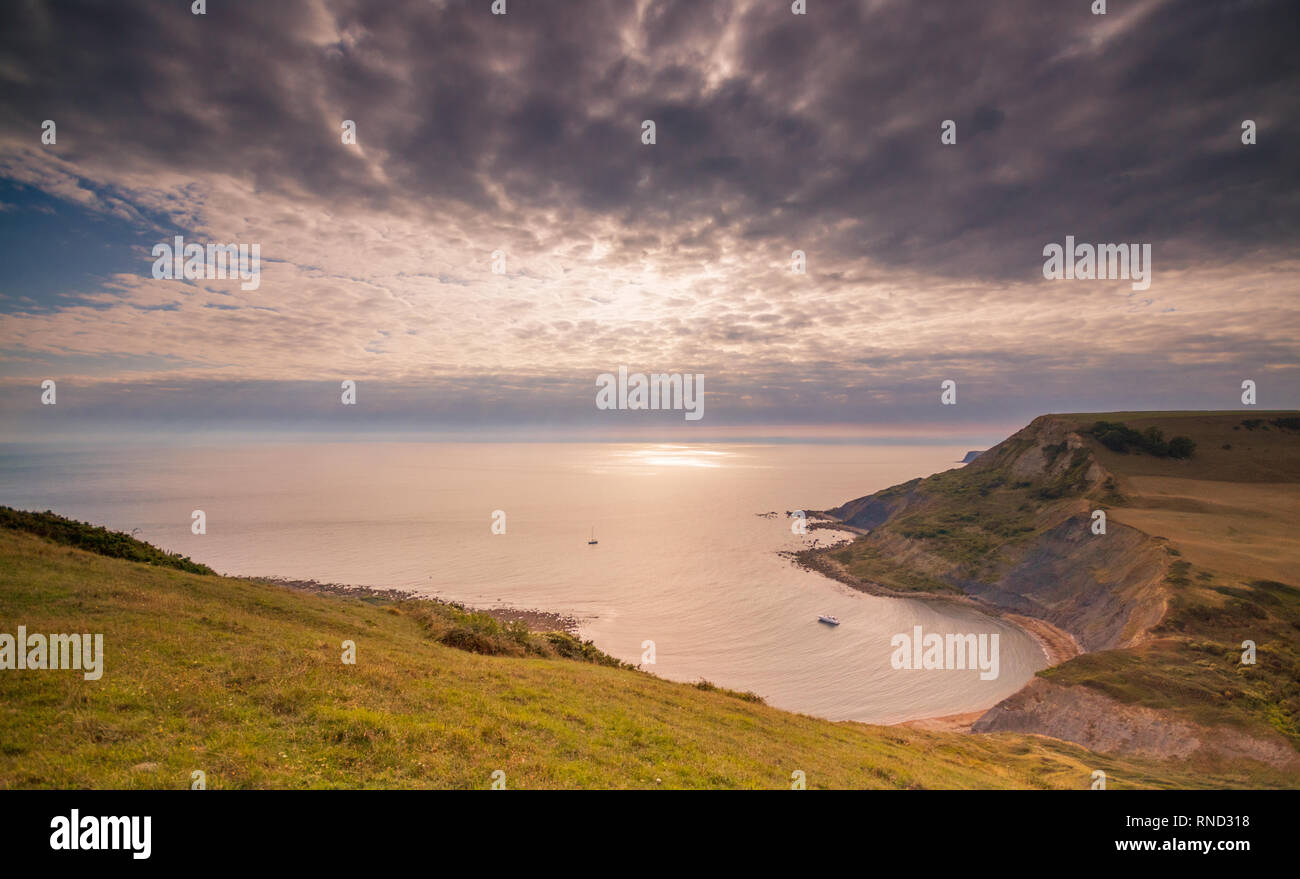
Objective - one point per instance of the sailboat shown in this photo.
(593, 540)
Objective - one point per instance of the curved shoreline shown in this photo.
(536, 620)
(1058, 645)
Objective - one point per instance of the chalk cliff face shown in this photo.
(1018, 529)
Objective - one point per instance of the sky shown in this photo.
(521, 135)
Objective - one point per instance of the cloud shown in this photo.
(521, 134)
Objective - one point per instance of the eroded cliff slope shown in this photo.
(1198, 556)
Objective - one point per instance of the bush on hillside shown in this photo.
(1119, 437)
(96, 539)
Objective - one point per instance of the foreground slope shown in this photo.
(243, 681)
(1200, 554)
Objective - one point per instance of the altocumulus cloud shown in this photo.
(520, 133)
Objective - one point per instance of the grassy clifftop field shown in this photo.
(244, 681)
(1200, 554)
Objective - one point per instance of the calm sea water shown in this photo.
(683, 559)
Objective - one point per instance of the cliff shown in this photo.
(1200, 538)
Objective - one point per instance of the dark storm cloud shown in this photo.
(817, 131)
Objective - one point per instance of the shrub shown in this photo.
(1119, 437)
(96, 539)
(1181, 447)
(745, 696)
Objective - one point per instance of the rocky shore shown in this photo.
(536, 620)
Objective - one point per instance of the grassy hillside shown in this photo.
(1201, 553)
(96, 539)
(1230, 521)
(244, 681)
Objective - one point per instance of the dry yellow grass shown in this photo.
(1244, 528)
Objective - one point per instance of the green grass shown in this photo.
(454, 626)
(1201, 680)
(95, 538)
(970, 518)
(244, 681)
(1194, 669)
(865, 561)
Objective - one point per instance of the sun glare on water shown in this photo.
(674, 456)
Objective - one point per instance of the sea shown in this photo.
(687, 577)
